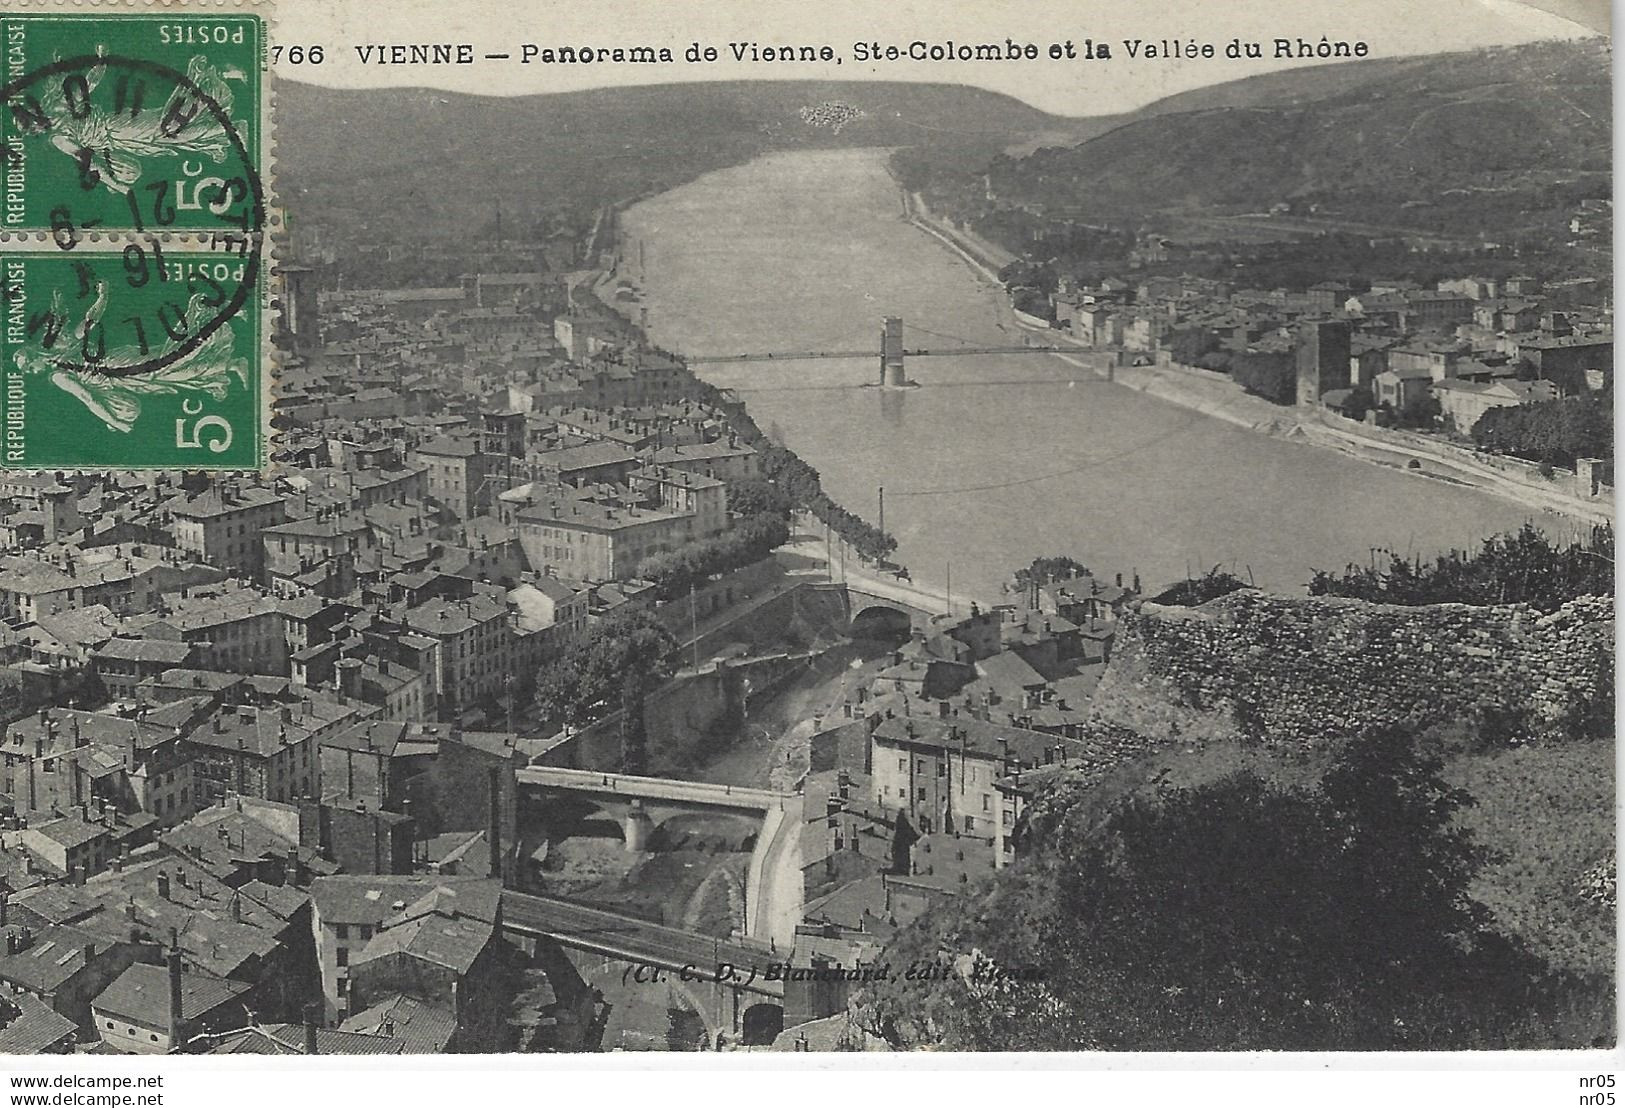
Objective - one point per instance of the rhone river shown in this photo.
(993, 460)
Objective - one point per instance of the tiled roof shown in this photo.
(424, 1028)
(141, 994)
(35, 1028)
(54, 955)
(144, 650)
(371, 899)
(289, 1038)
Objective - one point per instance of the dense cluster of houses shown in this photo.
(1473, 343)
(258, 769)
(916, 788)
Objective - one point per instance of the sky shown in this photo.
(1389, 27)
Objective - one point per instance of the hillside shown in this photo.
(410, 164)
(1452, 143)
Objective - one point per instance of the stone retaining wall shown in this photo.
(1297, 671)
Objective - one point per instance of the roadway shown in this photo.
(853, 572)
(639, 941)
(652, 788)
(810, 355)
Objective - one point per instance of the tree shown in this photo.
(1272, 376)
(1360, 402)
(755, 496)
(1233, 913)
(1422, 411)
(634, 726)
(628, 646)
(1555, 432)
(1041, 571)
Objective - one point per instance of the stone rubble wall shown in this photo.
(1297, 671)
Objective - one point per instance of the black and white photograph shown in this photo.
(951, 529)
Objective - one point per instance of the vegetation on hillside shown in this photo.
(795, 481)
(1199, 590)
(437, 157)
(1286, 179)
(1237, 913)
(1524, 567)
(1546, 813)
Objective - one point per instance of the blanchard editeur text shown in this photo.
(922, 970)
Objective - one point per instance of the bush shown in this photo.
(1524, 567)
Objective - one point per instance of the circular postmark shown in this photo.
(155, 310)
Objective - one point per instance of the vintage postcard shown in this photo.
(1050, 527)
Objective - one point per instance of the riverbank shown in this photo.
(996, 459)
(1215, 395)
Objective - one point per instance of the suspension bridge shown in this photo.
(893, 351)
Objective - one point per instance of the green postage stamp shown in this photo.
(134, 239)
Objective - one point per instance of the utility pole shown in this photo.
(693, 627)
(950, 588)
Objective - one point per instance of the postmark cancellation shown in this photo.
(135, 238)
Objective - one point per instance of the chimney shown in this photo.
(312, 1019)
(176, 1023)
(163, 885)
(494, 833)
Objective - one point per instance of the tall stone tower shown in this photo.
(298, 321)
(1323, 358)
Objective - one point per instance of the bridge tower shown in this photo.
(891, 352)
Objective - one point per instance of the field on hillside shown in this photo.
(1548, 811)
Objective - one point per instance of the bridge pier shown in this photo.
(637, 827)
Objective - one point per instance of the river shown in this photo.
(993, 460)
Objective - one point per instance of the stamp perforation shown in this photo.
(248, 224)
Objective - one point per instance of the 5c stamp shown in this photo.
(134, 240)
